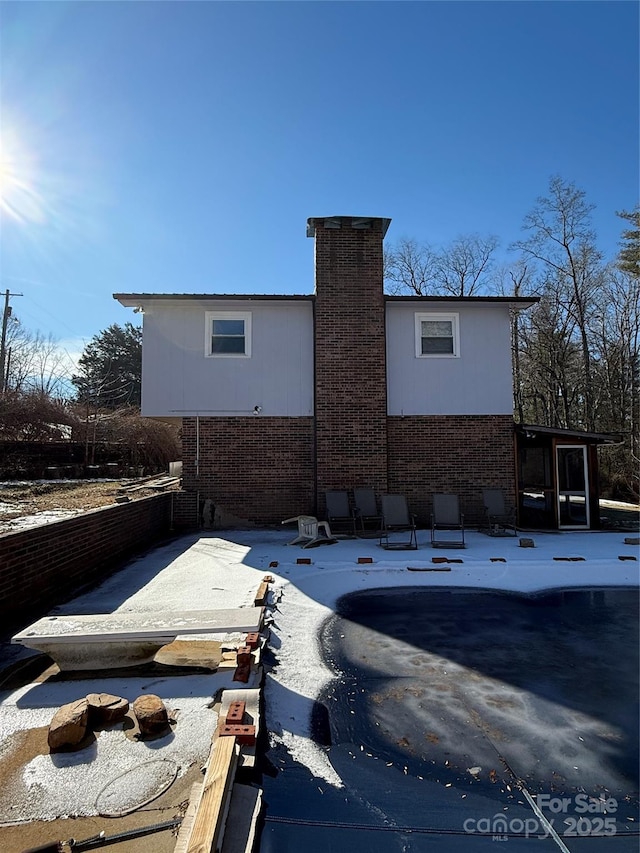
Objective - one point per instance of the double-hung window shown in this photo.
(228, 334)
(437, 336)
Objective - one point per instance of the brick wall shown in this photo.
(459, 454)
(350, 368)
(187, 514)
(44, 566)
(256, 468)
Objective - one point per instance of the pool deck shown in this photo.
(223, 569)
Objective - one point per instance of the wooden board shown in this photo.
(186, 827)
(261, 594)
(210, 819)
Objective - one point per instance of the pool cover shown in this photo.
(459, 718)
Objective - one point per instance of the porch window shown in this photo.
(228, 334)
(437, 336)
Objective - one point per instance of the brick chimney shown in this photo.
(350, 354)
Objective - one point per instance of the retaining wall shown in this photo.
(44, 566)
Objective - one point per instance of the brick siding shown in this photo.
(44, 566)
(257, 468)
(461, 454)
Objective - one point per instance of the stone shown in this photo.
(527, 543)
(105, 709)
(68, 727)
(151, 714)
(632, 540)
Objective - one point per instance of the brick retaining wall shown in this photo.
(44, 566)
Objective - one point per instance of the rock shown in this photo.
(105, 709)
(632, 540)
(151, 714)
(527, 543)
(68, 727)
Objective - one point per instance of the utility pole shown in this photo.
(3, 341)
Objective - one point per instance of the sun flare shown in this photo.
(19, 198)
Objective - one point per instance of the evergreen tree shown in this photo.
(629, 256)
(111, 368)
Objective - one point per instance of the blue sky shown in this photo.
(181, 146)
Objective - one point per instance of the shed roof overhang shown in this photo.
(532, 430)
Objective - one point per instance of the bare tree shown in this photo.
(562, 243)
(462, 268)
(411, 267)
(35, 362)
(516, 279)
(615, 337)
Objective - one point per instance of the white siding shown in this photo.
(479, 382)
(179, 380)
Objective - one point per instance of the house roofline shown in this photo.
(524, 301)
(132, 300)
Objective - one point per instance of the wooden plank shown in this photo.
(186, 827)
(209, 823)
(164, 484)
(261, 595)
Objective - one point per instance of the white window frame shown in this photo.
(210, 316)
(454, 319)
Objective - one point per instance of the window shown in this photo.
(437, 336)
(228, 334)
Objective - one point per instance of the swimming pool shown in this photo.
(459, 717)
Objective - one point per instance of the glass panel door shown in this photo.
(572, 479)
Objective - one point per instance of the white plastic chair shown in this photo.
(311, 532)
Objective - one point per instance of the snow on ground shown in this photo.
(71, 783)
(22, 522)
(224, 569)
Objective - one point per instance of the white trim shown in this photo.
(438, 317)
(210, 316)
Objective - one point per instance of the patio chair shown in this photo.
(397, 520)
(447, 522)
(339, 513)
(501, 521)
(366, 511)
(311, 532)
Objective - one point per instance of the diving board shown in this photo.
(114, 640)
